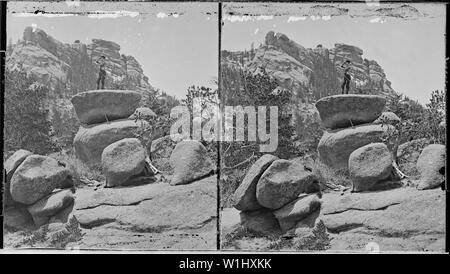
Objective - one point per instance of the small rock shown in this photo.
(244, 197)
(37, 177)
(369, 165)
(142, 113)
(190, 161)
(122, 160)
(45, 208)
(262, 221)
(282, 182)
(431, 161)
(289, 215)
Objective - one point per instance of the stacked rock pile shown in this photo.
(276, 195)
(110, 119)
(37, 187)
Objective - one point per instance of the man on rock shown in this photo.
(346, 66)
(101, 61)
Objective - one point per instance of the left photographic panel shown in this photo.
(93, 156)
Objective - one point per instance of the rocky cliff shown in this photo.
(312, 73)
(70, 68)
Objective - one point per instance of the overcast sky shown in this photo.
(411, 52)
(175, 52)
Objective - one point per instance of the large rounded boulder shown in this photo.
(98, 106)
(10, 166)
(336, 146)
(282, 182)
(122, 160)
(244, 197)
(90, 141)
(369, 165)
(431, 166)
(37, 177)
(190, 161)
(42, 210)
(340, 111)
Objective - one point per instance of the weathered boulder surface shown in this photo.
(37, 177)
(402, 219)
(369, 165)
(17, 218)
(431, 166)
(262, 221)
(11, 164)
(122, 160)
(142, 113)
(340, 111)
(282, 182)
(336, 146)
(387, 117)
(90, 141)
(407, 155)
(289, 215)
(98, 106)
(244, 197)
(156, 216)
(42, 210)
(190, 161)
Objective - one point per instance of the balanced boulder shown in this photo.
(244, 197)
(11, 164)
(190, 161)
(282, 182)
(340, 111)
(98, 106)
(388, 117)
(289, 215)
(37, 177)
(44, 209)
(336, 146)
(90, 141)
(122, 160)
(431, 166)
(369, 165)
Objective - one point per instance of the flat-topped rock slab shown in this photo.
(98, 106)
(341, 111)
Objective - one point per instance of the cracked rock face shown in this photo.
(400, 219)
(165, 216)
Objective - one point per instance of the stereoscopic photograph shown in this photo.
(234, 127)
(89, 159)
(355, 153)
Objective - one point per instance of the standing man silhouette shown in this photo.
(346, 83)
(101, 61)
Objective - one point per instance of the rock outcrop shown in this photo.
(431, 166)
(190, 162)
(122, 160)
(99, 106)
(37, 177)
(369, 165)
(341, 111)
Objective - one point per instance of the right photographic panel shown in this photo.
(334, 122)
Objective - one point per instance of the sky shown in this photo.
(175, 52)
(411, 52)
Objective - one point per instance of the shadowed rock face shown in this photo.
(430, 164)
(98, 106)
(342, 111)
